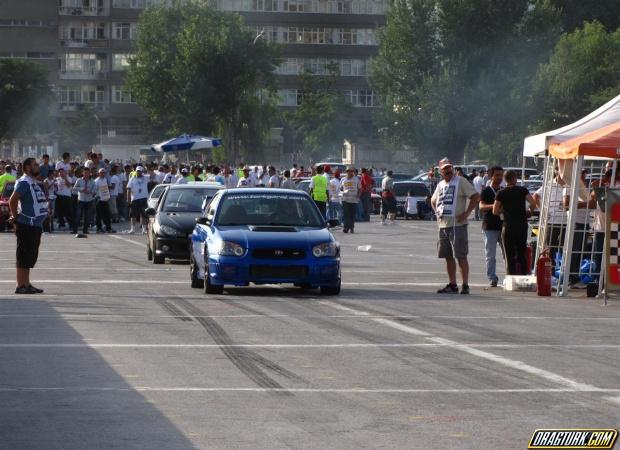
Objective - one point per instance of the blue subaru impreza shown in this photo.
(263, 236)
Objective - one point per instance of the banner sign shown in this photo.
(612, 236)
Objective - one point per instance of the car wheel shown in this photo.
(149, 252)
(197, 283)
(157, 259)
(331, 290)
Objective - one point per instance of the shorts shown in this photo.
(453, 242)
(388, 205)
(137, 208)
(28, 241)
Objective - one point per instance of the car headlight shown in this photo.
(228, 248)
(326, 249)
(168, 231)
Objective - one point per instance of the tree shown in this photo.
(23, 89)
(576, 12)
(78, 133)
(322, 121)
(454, 75)
(196, 68)
(582, 73)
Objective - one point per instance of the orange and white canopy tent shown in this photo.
(601, 143)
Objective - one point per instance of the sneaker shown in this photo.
(27, 290)
(80, 235)
(493, 283)
(35, 290)
(345, 230)
(579, 285)
(100, 231)
(465, 289)
(131, 231)
(111, 231)
(449, 289)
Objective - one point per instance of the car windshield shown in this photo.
(418, 189)
(186, 200)
(268, 209)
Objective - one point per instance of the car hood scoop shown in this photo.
(272, 228)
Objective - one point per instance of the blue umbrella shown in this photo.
(186, 142)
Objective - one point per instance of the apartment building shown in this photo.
(87, 43)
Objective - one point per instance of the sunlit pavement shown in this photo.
(120, 353)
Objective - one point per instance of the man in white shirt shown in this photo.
(65, 163)
(103, 203)
(115, 190)
(479, 183)
(64, 203)
(182, 179)
(274, 179)
(334, 207)
(246, 180)
(137, 193)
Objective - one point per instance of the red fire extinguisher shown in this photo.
(543, 275)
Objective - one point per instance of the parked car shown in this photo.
(303, 185)
(4, 205)
(171, 224)
(402, 188)
(264, 236)
(333, 166)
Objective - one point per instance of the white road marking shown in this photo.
(613, 399)
(514, 364)
(391, 284)
(295, 346)
(140, 244)
(297, 390)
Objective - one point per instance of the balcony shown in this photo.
(68, 107)
(85, 43)
(90, 11)
(83, 75)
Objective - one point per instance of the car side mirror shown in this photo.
(331, 223)
(203, 220)
(150, 211)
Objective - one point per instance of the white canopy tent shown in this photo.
(537, 145)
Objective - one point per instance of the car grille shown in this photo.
(279, 253)
(278, 271)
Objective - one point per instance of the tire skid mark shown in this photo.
(245, 360)
(172, 309)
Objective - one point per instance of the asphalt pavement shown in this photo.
(119, 353)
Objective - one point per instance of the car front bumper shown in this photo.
(172, 247)
(244, 270)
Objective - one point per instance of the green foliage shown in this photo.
(576, 12)
(582, 73)
(23, 89)
(322, 121)
(197, 68)
(457, 74)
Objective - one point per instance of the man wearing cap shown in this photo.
(86, 190)
(184, 178)
(351, 188)
(137, 193)
(453, 201)
(246, 180)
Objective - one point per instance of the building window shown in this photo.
(86, 63)
(289, 97)
(124, 31)
(362, 98)
(121, 61)
(85, 94)
(122, 94)
(135, 4)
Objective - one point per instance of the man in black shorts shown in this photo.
(28, 208)
(137, 193)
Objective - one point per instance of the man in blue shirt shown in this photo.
(28, 207)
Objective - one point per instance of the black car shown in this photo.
(174, 220)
